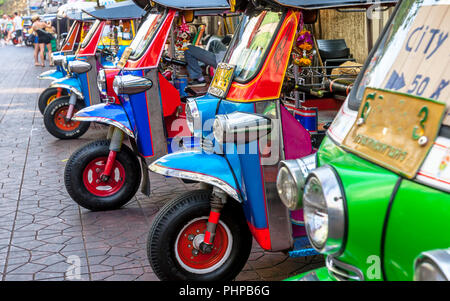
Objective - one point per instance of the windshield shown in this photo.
(90, 33)
(116, 32)
(251, 42)
(412, 56)
(145, 34)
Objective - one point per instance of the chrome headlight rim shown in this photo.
(193, 118)
(101, 81)
(336, 207)
(438, 259)
(298, 169)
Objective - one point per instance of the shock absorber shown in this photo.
(218, 200)
(114, 147)
(72, 103)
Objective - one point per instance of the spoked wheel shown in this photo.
(56, 123)
(84, 181)
(48, 96)
(178, 230)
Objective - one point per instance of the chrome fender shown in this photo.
(69, 83)
(199, 166)
(111, 114)
(51, 74)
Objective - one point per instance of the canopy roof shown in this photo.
(194, 4)
(118, 11)
(80, 16)
(316, 4)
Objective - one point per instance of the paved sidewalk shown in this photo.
(42, 230)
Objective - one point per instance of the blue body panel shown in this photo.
(107, 112)
(212, 165)
(69, 81)
(55, 74)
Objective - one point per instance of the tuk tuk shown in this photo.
(275, 69)
(376, 196)
(102, 47)
(81, 24)
(146, 107)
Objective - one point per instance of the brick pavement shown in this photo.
(41, 228)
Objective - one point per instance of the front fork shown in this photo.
(115, 136)
(218, 200)
(72, 103)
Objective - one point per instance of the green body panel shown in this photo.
(419, 221)
(321, 273)
(368, 189)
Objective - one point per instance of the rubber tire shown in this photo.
(49, 117)
(73, 176)
(45, 95)
(174, 215)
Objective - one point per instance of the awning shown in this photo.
(317, 4)
(118, 11)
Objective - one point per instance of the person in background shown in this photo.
(2, 30)
(193, 55)
(18, 28)
(9, 28)
(43, 39)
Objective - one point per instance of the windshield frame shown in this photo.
(90, 33)
(238, 80)
(135, 57)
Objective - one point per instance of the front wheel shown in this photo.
(48, 96)
(56, 123)
(83, 177)
(182, 222)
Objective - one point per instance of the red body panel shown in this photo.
(74, 38)
(268, 82)
(91, 47)
(110, 75)
(170, 97)
(150, 59)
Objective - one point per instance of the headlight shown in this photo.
(58, 60)
(192, 115)
(433, 266)
(79, 67)
(323, 209)
(241, 127)
(101, 81)
(291, 180)
(130, 84)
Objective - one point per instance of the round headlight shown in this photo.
(192, 114)
(219, 128)
(323, 210)
(101, 81)
(433, 266)
(291, 180)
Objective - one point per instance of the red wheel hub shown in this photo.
(92, 177)
(62, 123)
(195, 259)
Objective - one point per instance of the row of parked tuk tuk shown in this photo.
(296, 145)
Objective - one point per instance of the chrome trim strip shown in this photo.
(340, 270)
(67, 87)
(312, 276)
(43, 75)
(106, 121)
(183, 174)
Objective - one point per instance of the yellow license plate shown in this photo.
(125, 55)
(222, 80)
(395, 130)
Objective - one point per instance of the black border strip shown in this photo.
(385, 226)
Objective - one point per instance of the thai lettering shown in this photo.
(380, 147)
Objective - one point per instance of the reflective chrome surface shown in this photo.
(433, 265)
(343, 271)
(334, 199)
(241, 127)
(299, 170)
(79, 67)
(130, 84)
(195, 177)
